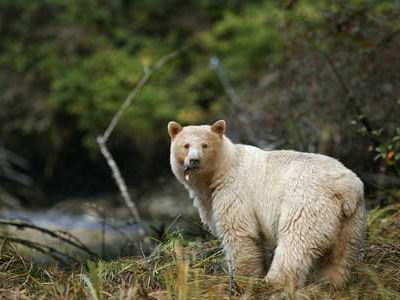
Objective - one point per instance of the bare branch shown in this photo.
(102, 140)
(77, 243)
(290, 4)
(235, 107)
(7, 199)
(47, 250)
(147, 73)
(120, 182)
(347, 91)
(387, 39)
(7, 155)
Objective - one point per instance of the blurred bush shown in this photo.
(304, 71)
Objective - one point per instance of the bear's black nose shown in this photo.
(194, 161)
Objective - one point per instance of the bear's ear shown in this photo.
(174, 128)
(219, 127)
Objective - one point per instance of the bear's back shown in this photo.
(277, 173)
(275, 181)
(289, 163)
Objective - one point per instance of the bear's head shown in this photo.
(195, 150)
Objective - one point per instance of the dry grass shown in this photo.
(181, 269)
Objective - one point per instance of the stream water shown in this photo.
(104, 236)
(57, 218)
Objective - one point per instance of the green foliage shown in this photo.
(389, 152)
(94, 282)
(67, 66)
(249, 41)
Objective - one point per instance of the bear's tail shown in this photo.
(350, 193)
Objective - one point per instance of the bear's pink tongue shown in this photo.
(187, 176)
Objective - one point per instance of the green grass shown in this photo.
(183, 269)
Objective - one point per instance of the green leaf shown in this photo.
(380, 149)
(377, 132)
(95, 282)
(92, 290)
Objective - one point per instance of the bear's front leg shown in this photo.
(246, 256)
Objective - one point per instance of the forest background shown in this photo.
(305, 75)
(314, 76)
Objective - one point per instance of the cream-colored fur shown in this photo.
(278, 213)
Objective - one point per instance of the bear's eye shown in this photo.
(186, 146)
(204, 146)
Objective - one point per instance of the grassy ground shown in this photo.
(182, 269)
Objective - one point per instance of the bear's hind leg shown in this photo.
(345, 250)
(305, 234)
(290, 264)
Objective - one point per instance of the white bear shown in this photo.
(308, 209)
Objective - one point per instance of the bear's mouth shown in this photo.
(188, 169)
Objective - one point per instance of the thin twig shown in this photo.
(144, 257)
(102, 139)
(120, 182)
(47, 250)
(387, 39)
(73, 238)
(231, 270)
(7, 159)
(78, 244)
(349, 95)
(235, 107)
(12, 157)
(146, 263)
(172, 224)
(103, 236)
(147, 73)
